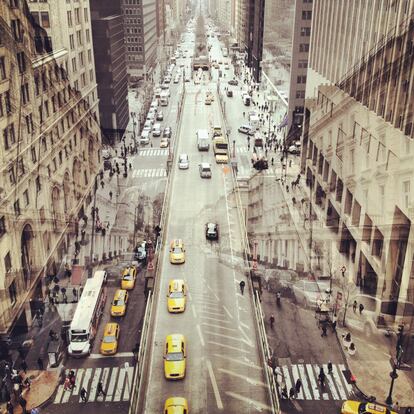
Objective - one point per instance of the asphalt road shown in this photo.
(224, 372)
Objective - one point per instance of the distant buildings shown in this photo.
(111, 71)
(49, 153)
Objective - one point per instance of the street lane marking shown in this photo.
(229, 347)
(295, 375)
(109, 393)
(258, 405)
(330, 383)
(217, 326)
(59, 394)
(314, 385)
(216, 319)
(129, 375)
(194, 311)
(325, 395)
(210, 313)
(67, 393)
(214, 385)
(342, 369)
(105, 376)
(118, 355)
(228, 312)
(119, 385)
(233, 338)
(86, 379)
(243, 377)
(305, 386)
(244, 324)
(200, 334)
(286, 376)
(338, 382)
(79, 376)
(246, 337)
(95, 380)
(248, 363)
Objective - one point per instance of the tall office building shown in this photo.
(298, 67)
(358, 150)
(111, 73)
(140, 23)
(49, 155)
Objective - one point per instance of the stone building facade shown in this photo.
(49, 158)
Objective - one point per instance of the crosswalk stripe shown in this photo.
(295, 375)
(86, 379)
(325, 395)
(109, 393)
(105, 376)
(58, 394)
(305, 386)
(314, 385)
(348, 386)
(67, 393)
(127, 389)
(79, 376)
(119, 385)
(338, 383)
(331, 383)
(286, 375)
(95, 380)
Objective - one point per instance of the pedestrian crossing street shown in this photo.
(336, 386)
(116, 383)
(149, 172)
(153, 152)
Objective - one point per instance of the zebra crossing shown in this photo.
(116, 383)
(153, 152)
(149, 172)
(336, 386)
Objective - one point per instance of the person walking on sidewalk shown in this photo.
(242, 285)
(84, 395)
(272, 321)
(324, 330)
(329, 367)
(291, 393)
(321, 377)
(354, 306)
(100, 389)
(9, 408)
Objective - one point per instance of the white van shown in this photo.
(145, 138)
(203, 140)
(156, 130)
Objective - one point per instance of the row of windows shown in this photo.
(132, 11)
(304, 47)
(78, 17)
(307, 15)
(132, 31)
(5, 104)
(134, 39)
(42, 19)
(134, 48)
(305, 31)
(132, 21)
(132, 2)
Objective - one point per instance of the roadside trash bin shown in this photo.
(53, 350)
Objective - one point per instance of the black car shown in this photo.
(230, 93)
(212, 231)
(233, 82)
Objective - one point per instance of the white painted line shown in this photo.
(218, 326)
(247, 362)
(243, 377)
(313, 382)
(286, 377)
(258, 405)
(246, 337)
(325, 395)
(67, 393)
(348, 386)
(216, 319)
(305, 386)
(95, 380)
(337, 381)
(119, 385)
(189, 296)
(295, 374)
(200, 335)
(228, 312)
(129, 375)
(194, 311)
(105, 376)
(86, 379)
(244, 324)
(330, 383)
(211, 313)
(229, 347)
(214, 385)
(59, 394)
(118, 355)
(78, 381)
(109, 393)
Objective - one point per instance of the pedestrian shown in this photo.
(334, 319)
(329, 367)
(354, 306)
(100, 390)
(298, 385)
(242, 285)
(84, 395)
(321, 377)
(408, 410)
(324, 330)
(23, 366)
(9, 408)
(396, 407)
(110, 195)
(361, 308)
(67, 385)
(291, 393)
(272, 321)
(34, 410)
(23, 404)
(27, 383)
(272, 161)
(284, 391)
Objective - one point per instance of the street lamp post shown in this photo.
(91, 251)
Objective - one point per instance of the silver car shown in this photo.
(183, 162)
(309, 293)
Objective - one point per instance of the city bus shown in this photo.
(85, 322)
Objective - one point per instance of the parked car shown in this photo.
(246, 129)
(160, 116)
(233, 82)
(308, 293)
(212, 231)
(167, 132)
(229, 93)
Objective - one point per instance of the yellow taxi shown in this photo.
(174, 357)
(109, 344)
(119, 303)
(357, 407)
(177, 251)
(176, 296)
(129, 275)
(176, 405)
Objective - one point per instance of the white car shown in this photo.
(176, 79)
(183, 162)
(144, 139)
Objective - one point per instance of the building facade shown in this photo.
(298, 67)
(140, 23)
(358, 149)
(49, 158)
(111, 74)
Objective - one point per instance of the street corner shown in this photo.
(43, 386)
